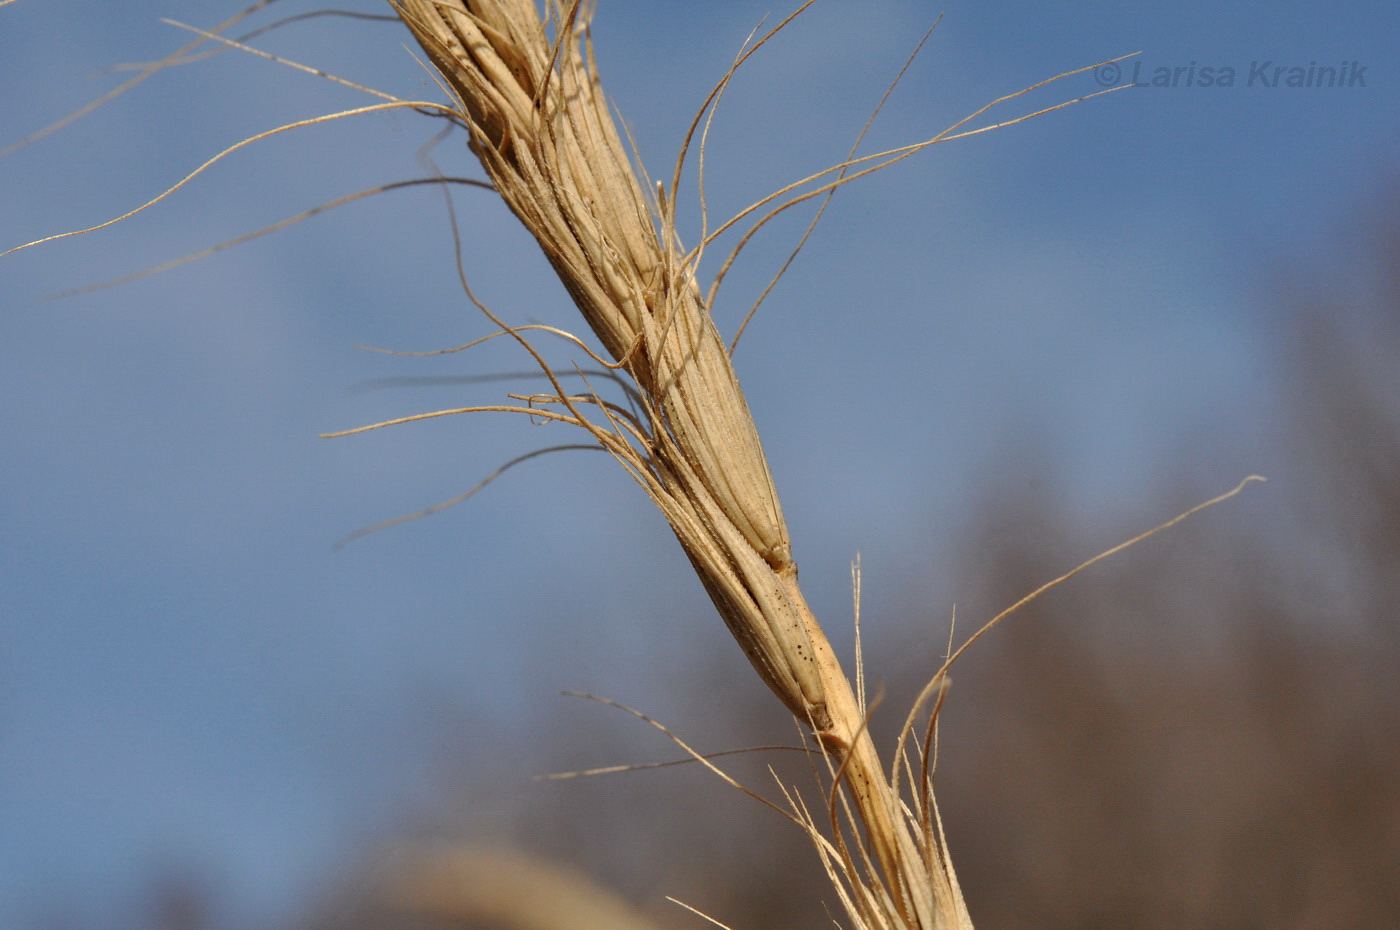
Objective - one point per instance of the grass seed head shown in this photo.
(540, 123)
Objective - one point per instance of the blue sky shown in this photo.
(189, 674)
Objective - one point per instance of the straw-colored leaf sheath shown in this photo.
(541, 125)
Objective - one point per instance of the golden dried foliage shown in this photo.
(525, 87)
(541, 126)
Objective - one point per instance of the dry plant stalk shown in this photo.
(541, 126)
(526, 90)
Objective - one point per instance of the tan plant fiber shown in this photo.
(541, 126)
(525, 88)
(544, 134)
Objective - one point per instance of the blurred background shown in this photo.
(991, 362)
